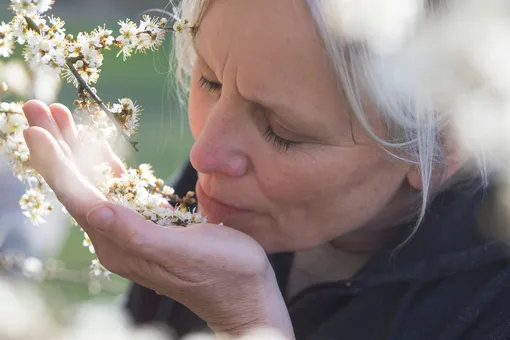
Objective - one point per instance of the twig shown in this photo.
(77, 277)
(14, 263)
(168, 28)
(83, 84)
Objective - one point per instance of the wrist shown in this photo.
(270, 312)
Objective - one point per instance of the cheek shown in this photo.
(324, 194)
(324, 173)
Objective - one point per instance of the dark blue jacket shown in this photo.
(451, 281)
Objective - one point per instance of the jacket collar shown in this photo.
(451, 239)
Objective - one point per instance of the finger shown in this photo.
(118, 167)
(65, 122)
(64, 119)
(70, 187)
(38, 114)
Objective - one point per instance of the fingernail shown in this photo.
(100, 217)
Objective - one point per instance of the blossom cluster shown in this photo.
(49, 49)
(13, 147)
(141, 191)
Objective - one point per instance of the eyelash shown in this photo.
(269, 134)
(279, 142)
(209, 85)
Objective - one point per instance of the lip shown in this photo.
(213, 206)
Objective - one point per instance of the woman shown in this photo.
(291, 167)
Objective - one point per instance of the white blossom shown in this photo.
(167, 191)
(151, 34)
(98, 270)
(57, 24)
(128, 114)
(35, 206)
(183, 26)
(15, 123)
(17, 154)
(128, 37)
(31, 7)
(87, 243)
(102, 38)
(6, 40)
(19, 28)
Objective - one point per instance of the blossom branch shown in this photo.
(83, 85)
(81, 58)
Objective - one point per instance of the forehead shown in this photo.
(272, 52)
(258, 31)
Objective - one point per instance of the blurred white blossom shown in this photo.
(383, 24)
(25, 315)
(33, 268)
(449, 66)
(16, 76)
(31, 7)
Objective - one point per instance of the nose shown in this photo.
(219, 147)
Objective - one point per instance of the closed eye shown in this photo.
(280, 143)
(211, 86)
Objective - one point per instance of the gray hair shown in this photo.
(415, 128)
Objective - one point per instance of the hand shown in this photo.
(219, 273)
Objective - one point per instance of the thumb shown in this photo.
(131, 231)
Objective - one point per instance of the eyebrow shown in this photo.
(197, 50)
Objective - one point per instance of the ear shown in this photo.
(440, 173)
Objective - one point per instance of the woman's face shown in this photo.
(274, 141)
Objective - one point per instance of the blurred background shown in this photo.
(164, 141)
